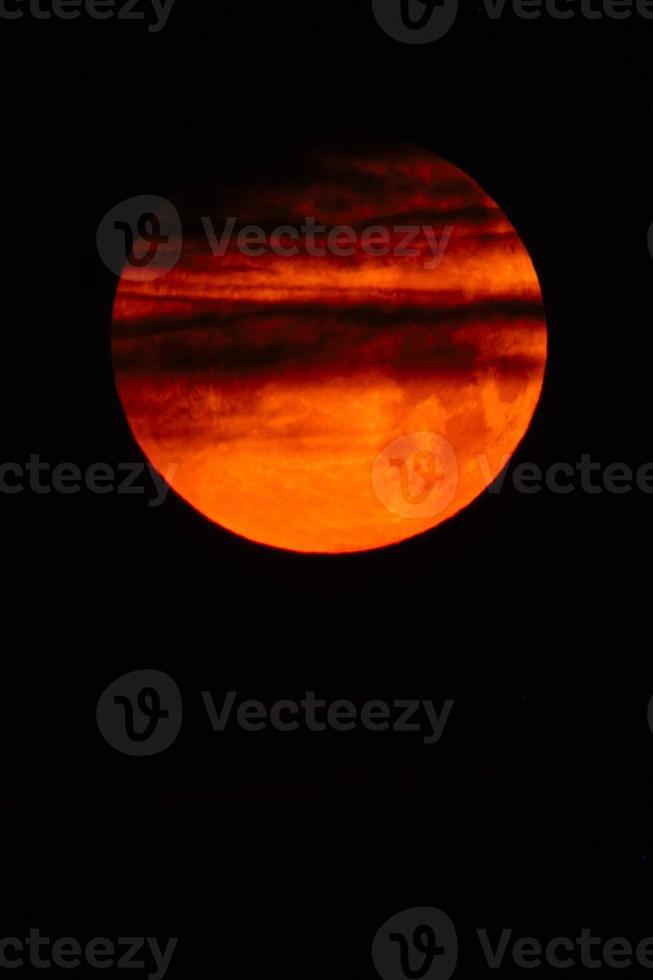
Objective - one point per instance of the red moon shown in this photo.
(354, 390)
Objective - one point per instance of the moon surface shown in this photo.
(350, 392)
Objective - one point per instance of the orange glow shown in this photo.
(274, 383)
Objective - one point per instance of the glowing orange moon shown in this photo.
(343, 401)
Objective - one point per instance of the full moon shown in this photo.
(333, 352)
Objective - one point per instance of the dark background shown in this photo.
(264, 853)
